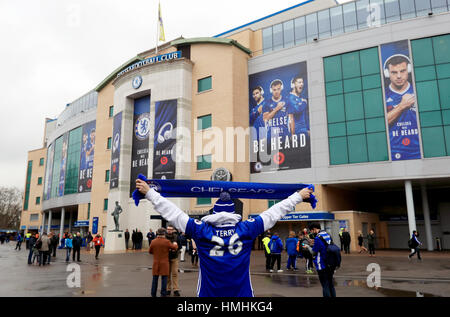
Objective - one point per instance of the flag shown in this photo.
(162, 37)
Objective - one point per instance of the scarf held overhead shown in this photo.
(211, 189)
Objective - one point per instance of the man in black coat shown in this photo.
(346, 239)
(127, 238)
(76, 244)
(140, 238)
(54, 244)
(133, 240)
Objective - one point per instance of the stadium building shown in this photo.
(353, 98)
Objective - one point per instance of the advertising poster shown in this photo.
(141, 132)
(48, 171)
(63, 165)
(401, 101)
(115, 154)
(165, 139)
(87, 157)
(279, 119)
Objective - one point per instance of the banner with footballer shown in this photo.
(141, 132)
(401, 101)
(115, 154)
(165, 140)
(87, 157)
(279, 119)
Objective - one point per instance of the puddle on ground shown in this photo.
(313, 281)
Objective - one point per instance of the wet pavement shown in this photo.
(129, 274)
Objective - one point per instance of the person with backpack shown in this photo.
(291, 248)
(327, 258)
(276, 247)
(414, 245)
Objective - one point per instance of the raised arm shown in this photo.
(166, 208)
(278, 211)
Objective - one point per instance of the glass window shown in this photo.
(373, 103)
(362, 13)
(73, 161)
(356, 127)
(278, 36)
(338, 151)
(392, 10)
(370, 63)
(407, 9)
(105, 204)
(270, 203)
(300, 30)
(422, 52)
(204, 122)
(108, 143)
(443, 71)
(334, 88)
(371, 81)
(111, 111)
(422, 7)
(335, 109)
(337, 21)
(333, 68)
(311, 27)
(357, 149)
(107, 176)
(204, 162)
(377, 12)
(203, 201)
(375, 125)
(337, 129)
(430, 119)
(354, 108)
(41, 161)
(28, 185)
(425, 73)
(433, 142)
(428, 95)
(349, 10)
(38, 200)
(441, 46)
(444, 93)
(204, 84)
(446, 118)
(267, 39)
(288, 29)
(39, 180)
(438, 6)
(351, 85)
(350, 65)
(377, 147)
(324, 23)
(34, 217)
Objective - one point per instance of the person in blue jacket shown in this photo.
(291, 248)
(276, 247)
(319, 251)
(68, 244)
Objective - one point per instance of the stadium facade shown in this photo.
(353, 98)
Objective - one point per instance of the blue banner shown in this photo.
(87, 157)
(63, 165)
(48, 172)
(141, 132)
(279, 119)
(165, 139)
(401, 101)
(95, 225)
(115, 151)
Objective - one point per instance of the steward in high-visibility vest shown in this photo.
(265, 242)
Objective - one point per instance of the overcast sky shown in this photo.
(54, 51)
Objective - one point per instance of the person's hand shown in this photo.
(408, 101)
(280, 105)
(175, 244)
(142, 186)
(305, 193)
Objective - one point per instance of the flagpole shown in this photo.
(157, 29)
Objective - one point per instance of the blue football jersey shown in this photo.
(257, 122)
(299, 106)
(404, 133)
(279, 124)
(224, 254)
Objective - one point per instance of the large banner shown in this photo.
(48, 172)
(401, 101)
(63, 165)
(141, 129)
(164, 139)
(87, 157)
(115, 155)
(279, 119)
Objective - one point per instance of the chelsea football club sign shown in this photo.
(137, 82)
(152, 60)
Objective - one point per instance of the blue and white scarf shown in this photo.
(212, 189)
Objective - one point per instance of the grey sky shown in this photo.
(54, 51)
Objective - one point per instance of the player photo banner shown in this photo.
(141, 132)
(279, 119)
(87, 157)
(401, 101)
(165, 139)
(63, 164)
(48, 171)
(115, 154)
